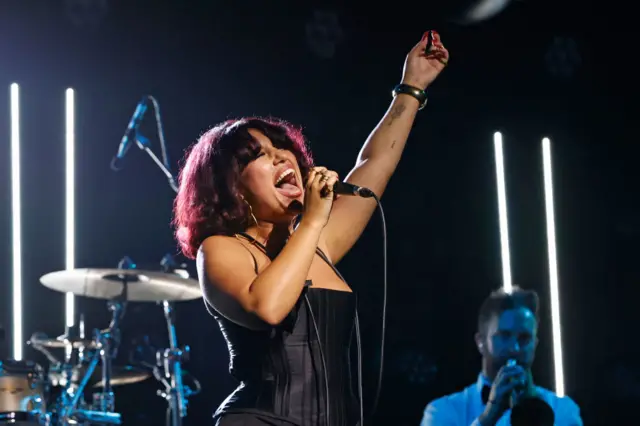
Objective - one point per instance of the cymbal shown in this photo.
(142, 286)
(120, 375)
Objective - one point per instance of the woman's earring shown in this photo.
(251, 212)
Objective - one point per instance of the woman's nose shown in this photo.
(279, 157)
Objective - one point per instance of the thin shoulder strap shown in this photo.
(320, 253)
(255, 261)
(253, 241)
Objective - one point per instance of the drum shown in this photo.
(22, 398)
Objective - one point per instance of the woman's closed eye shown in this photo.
(257, 155)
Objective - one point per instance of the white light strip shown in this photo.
(16, 215)
(70, 217)
(502, 213)
(553, 267)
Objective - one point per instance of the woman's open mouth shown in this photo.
(287, 184)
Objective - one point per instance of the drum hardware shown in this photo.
(103, 408)
(37, 342)
(169, 370)
(22, 391)
(62, 342)
(24, 418)
(169, 361)
(144, 286)
(71, 395)
(86, 359)
(72, 371)
(120, 375)
(106, 342)
(119, 286)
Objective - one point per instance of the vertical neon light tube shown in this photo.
(70, 207)
(16, 215)
(553, 267)
(502, 213)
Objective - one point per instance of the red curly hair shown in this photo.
(209, 200)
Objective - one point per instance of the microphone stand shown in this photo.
(169, 361)
(144, 144)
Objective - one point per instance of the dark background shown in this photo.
(544, 68)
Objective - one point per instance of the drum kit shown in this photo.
(87, 364)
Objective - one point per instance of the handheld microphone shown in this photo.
(529, 410)
(516, 392)
(130, 134)
(532, 411)
(344, 188)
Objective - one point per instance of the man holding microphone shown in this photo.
(505, 393)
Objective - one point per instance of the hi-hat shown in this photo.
(120, 375)
(142, 286)
(63, 342)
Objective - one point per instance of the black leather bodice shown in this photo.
(282, 371)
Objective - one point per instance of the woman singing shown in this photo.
(267, 230)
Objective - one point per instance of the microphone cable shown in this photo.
(384, 303)
(357, 327)
(322, 359)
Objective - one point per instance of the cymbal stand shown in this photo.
(105, 400)
(170, 361)
(71, 396)
(71, 355)
(103, 411)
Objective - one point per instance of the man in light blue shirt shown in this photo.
(507, 340)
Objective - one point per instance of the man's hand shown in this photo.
(509, 379)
